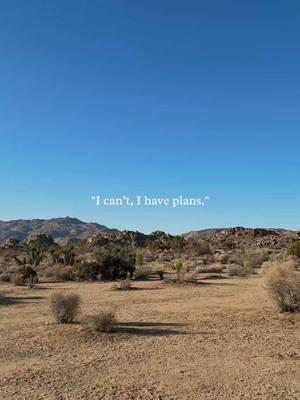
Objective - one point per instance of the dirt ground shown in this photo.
(220, 339)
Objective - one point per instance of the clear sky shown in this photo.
(159, 97)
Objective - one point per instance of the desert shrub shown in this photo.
(106, 266)
(125, 285)
(254, 258)
(139, 260)
(18, 279)
(293, 262)
(200, 248)
(239, 270)
(294, 249)
(103, 321)
(63, 274)
(48, 272)
(28, 274)
(5, 277)
(215, 268)
(222, 258)
(85, 270)
(65, 307)
(180, 270)
(283, 283)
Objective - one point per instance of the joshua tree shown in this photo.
(35, 255)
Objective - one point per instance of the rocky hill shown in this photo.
(61, 229)
(239, 236)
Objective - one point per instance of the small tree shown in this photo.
(36, 255)
(180, 270)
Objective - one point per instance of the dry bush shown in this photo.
(283, 283)
(254, 258)
(63, 274)
(222, 258)
(294, 249)
(293, 261)
(181, 270)
(215, 268)
(4, 277)
(103, 321)
(18, 280)
(65, 307)
(239, 270)
(125, 285)
(47, 273)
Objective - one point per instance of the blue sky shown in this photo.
(158, 98)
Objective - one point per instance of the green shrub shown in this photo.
(86, 271)
(107, 267)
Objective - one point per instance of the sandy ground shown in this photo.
(218, 340)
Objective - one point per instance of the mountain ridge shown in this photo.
(72, 228)
(59, 228)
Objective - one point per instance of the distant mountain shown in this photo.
(61, 229)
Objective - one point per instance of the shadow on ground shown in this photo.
(149, 328)
(24, 299)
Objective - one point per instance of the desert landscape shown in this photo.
(149, 203)
(196, 321)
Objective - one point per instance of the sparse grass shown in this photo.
(65, 307)
(103, 321)
(283, 283)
